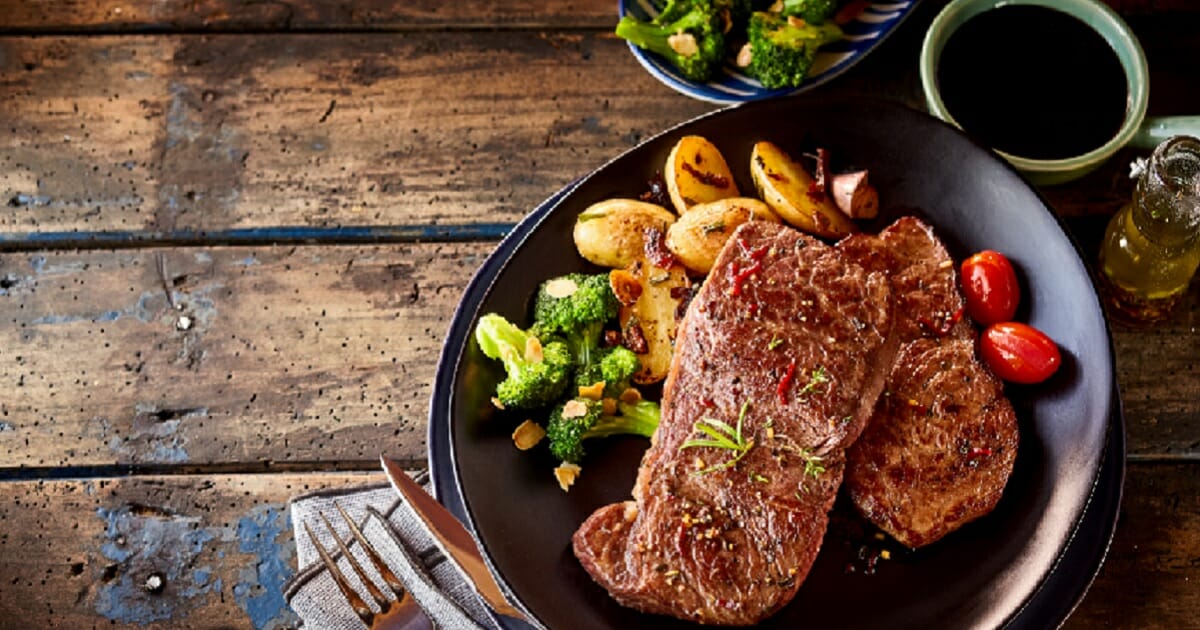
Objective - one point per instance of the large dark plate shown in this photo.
(1025, 564)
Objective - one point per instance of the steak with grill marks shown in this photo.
(792, 342)
(941, 445)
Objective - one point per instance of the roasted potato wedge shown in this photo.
(648, 324)
(696, 173)
(698, 236)
(611, 233)
(784, 184)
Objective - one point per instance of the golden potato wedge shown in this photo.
(698, 236)
(648, 325)
(611, 233)
(784, 184)
(696, 173)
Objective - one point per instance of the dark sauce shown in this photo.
(1033, 82)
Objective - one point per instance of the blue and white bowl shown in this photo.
(731, 85)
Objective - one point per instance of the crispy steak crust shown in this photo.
(794, 340)
(942, 442)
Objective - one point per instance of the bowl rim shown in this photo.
(1116, 33)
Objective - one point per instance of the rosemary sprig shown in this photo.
(721, 435)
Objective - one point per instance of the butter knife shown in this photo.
(452, 538)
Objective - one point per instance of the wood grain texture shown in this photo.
(77, 553)
(190, 357)
(387, 15)
(209, 133)
(224, 540)
(301, 15)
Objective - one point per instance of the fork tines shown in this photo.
(387, 606)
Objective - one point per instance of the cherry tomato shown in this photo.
(991, 288)
(1019, 353)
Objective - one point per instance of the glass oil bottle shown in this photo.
(1152, 245)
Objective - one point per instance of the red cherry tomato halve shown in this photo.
(991, 288)
(1019, 353)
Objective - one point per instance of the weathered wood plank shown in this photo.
(209, 133)
(299, 354)
(305, 15)
(300, 15)
(76, 552)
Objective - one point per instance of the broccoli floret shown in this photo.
(575, 307)
(733, 13)
(615, 366)
(588, 420)
(694, 42)
(811, 11)
(532, 381)
(781, 52)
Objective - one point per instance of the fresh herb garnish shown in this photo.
(721, 435)
(817, 377)
(718, 226)
(775, 343)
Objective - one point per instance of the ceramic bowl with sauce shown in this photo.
(1055, 87)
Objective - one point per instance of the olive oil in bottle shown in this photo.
(1152, 245)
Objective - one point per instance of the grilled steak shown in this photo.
(791, 343)
(942, 442)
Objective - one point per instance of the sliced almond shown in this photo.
(527, 435)
(566, 474)
(561, 287)
(574, 409)
(684, 44)
(533, 350)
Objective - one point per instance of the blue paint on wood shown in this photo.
(106, 316)
(140, 544)
(4, 426)
(259, 590)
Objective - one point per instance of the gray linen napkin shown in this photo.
(394, 531)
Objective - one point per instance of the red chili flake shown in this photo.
(708, 402)
(786, 382)
(710, 179)
(752, 309)
(977, 451)
(655, 247)
(740, 277)
(947, 324)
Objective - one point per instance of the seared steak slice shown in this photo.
(941, 444)
(790, 338)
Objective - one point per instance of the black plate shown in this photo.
(1026, 564)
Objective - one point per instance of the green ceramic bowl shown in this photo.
(1136, 129)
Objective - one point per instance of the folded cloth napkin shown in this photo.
(399, 537)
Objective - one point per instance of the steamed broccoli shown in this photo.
(811, 11)
(580, 419)
(733, 13)
(694, 42)
(782, 52)
(576, 307)
(537, 374)
(615, 366)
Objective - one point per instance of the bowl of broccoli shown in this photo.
(731, 51)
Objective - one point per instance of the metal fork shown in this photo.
(395, 614)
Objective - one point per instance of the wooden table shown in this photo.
(234, 233)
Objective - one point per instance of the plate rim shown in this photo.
(447, 483)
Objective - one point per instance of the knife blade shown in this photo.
(452, 538)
